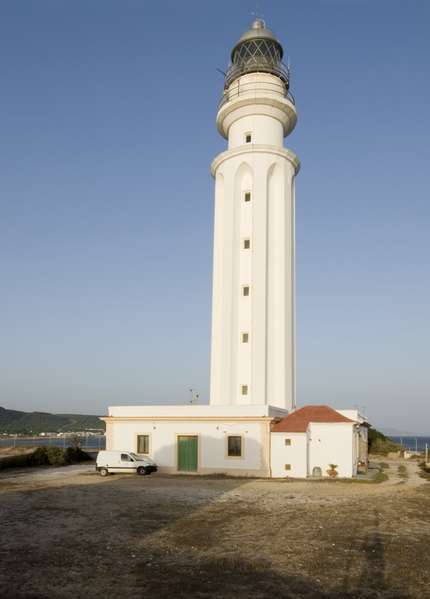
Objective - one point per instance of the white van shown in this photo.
(124, 461)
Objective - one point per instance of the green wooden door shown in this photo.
(187, 453)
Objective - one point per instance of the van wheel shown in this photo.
(141, 471)
(104, 471)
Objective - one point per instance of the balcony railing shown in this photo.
(259, 65)
(255, 89)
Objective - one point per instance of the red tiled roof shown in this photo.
(298, 421)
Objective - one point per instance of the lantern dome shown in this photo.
(257, 50)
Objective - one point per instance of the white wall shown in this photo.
(332, 443)
(193, 411)
(212, 445)
(264, 130)
(266, 364)
(294, 454)
(324, 444)
(353, 415)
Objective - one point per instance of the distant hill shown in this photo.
(393, 432)
(14, 421)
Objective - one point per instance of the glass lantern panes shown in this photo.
(257, 53)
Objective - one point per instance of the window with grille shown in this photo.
(142, 443)
(248, 138)
(245, 337)
(287, 441)
(246, 244)
(244, 389)
(247, 196)
(245, 290)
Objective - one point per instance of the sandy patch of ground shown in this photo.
(8, 451)
(70, 533)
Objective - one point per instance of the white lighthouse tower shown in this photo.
(251, 426)
(253, 328)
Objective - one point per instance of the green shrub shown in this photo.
(39, 457)
(425, 470)
(381, 477)
(74, 455)
(56, 456)
(380, 444)
(46, 456)
(14, 461)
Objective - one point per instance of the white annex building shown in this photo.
(251, 426)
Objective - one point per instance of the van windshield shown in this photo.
(135, 456)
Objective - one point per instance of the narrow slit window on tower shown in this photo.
(245, 337)
(246, 244)
(245, 290)
(247, 196)
(248, 138)
(244, 389)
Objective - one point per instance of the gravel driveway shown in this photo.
(67, 532)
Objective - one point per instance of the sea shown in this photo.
(412, 443)
(93, 442)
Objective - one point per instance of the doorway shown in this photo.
(187, 453)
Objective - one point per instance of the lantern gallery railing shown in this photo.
(255, 89)
(257, 66)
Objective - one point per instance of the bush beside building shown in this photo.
(45, 456)
(380, 444)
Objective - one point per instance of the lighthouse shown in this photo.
(253, 311)
(251, 426)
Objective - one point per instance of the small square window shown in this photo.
(247, 196)
(244, 389)
(245, 290)
(287, 441)
(248, 138)
(246, 244)
(245, 337)
(287, 466)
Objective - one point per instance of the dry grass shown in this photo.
(176, 537)
(10, 451)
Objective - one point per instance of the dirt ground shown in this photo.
(70, 533)
(8, 451)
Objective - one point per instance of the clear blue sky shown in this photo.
(107, 132)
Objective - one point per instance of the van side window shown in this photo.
(125, 457)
